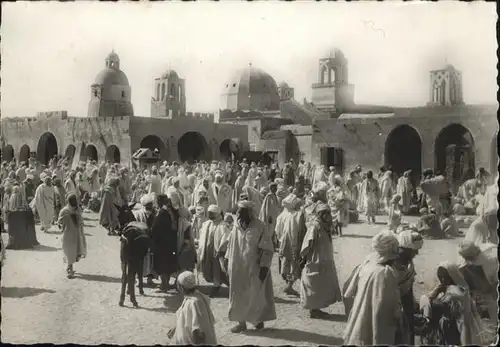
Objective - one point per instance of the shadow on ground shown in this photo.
(278, 300)
(357, 236)
(44, 248)
(207, 289)
(98, 278)
(23, 292)
(296, 336)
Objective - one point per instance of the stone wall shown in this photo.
(170, 132)
(363, 138)
(100, 132)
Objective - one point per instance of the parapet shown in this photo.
(200, 115)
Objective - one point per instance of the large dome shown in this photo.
(251, 89)
(111, 77)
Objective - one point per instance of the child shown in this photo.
(394, 213)
(94, 202)
(195, 320)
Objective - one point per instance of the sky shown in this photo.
(51, 51)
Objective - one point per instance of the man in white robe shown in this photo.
(174, 194)
(270, 210)
(214, 237)
(249, 255)
(70, 185)
(290, 230)
(44, 203)
(319, 285)
(222, 192)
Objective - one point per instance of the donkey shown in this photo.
(134, 245)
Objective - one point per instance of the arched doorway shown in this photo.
(192, 146)
(70, 152)
(403, 151)
(454, 154)
(154, 143)
(113, 154)
(7, 153)
(230, 149)
(91, 153)
(47, 148)
(24, 153)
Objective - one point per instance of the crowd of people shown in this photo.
(226, 220)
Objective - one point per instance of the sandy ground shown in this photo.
(39, 304)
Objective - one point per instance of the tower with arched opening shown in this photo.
(332, 92)
(446, 87)
(169, 97)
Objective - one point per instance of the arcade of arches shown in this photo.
(24, 153)
(403, 151)
(113, 154)
(153, 142)
(47, 148)
(192, 146)
(91, 153)
(454, 154)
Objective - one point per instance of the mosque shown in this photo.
(112, 132)
(446, 134)
(260, 119)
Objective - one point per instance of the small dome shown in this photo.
(111, 77)
(283, 84)
(170, 74)
(335, 53)
(113, 56)
(251, 89)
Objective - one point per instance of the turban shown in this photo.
(146, 199)
(43, 176)
(396, 198)
(214, 209)
(187, 280)
(468, 250)
(332, 168)
(291, 202)
(218, 174)
(320, 187)
(29, 176)
(385, 243)
(321, 207)
(200, 210)
(245, 204)
(273, 184)
(410, 239)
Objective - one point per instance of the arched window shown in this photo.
(180, 92)
(163, 91)
(158, 91)
(123, 93)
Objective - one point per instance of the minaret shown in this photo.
(445, 87)
(169, 100)
(332, 92)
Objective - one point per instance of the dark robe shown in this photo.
(21, 228)
(289, 176)
(29, 190)
(164, 243)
